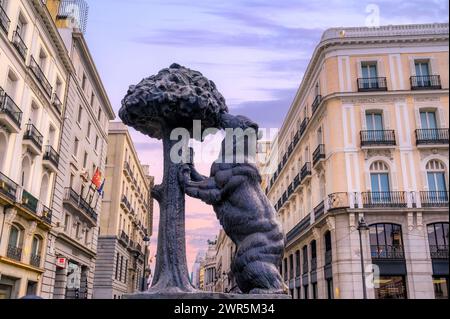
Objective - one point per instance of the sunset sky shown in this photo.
(254, 50)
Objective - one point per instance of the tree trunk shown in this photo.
(171, 272)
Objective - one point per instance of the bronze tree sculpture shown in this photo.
(171, 99)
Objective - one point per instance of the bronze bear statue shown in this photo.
(244, 211)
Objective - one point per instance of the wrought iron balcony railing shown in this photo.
(299, 228)
(124, 237)
(378, 138)
(34, 136)
(372, 84)
(303, 125)
(432, 136)
(319, 210)
(434, 199)
(426, 82)
(10, 108)
(305, 171)
(56, 102)
(4, 20)
(8, 187)
(35, 260)
(387, 252)
(14, 252)
(47, 215)
(390, 199)
(79, 202)
(51, 155)
(20, 45)
(439, 251)
(316, 103)
(319, 154)
(42, 79)
(29, 201)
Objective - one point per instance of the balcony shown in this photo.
(395, 199)
(79, 204)
(56, 102)
(20, 46)
(431, 137)
(127, 171)
(316, 103)
(319, 154)
(303, 125)
(439, 251)
(14, 252)
(305, 173)
(30, 202)
(124, 238)
(40, 76)
(434, 199)
(51, 159)
(378, 138)
(47, 215)
(338, 200)
(426, 82)
(35, 260)
(387, 252)
(125, 203)
(8, 188)
(4, 20)
(372, 84)
(299, 228)
(10, 114)
(319, 210)
(33, 139)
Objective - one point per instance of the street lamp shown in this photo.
(146, 240)
(362, 226)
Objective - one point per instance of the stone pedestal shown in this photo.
(202, 295)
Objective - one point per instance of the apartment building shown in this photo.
(364, 150)
(126, 220)
(34, 71)
(208, 273)
(225, 252)
(72, 249)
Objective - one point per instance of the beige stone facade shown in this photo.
(367, 137)
(126, 219)
(34, 72)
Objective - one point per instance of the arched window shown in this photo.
(379, 181)
(26, 171)
(36, 250)
(436, 176)
(15, 242)
(43, 194)
(313, 247)
(386, 241)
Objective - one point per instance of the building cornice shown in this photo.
(334, 38)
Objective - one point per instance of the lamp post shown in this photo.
(362, 226)
(146, 240)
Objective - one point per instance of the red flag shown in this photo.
(97, 178)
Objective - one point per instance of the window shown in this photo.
(66, 222)
(428, 119)
(330, 289)
(11, 85)
(26, 172)
(43, 60)
(88, 134)
(85, 159)
(22, 26)
(80, 114)
(314, 290)
(36, 247)
(386, 241)
(291, 266)
(99, 114)
(313, 255)
(121, 268)
(126, 271)
(83, 82)
(15, 242)
(72, 180)
(285, 270)
(305, 292)
(436, 177)
(440, 284)
(374, 121)
(379, 180)
(391, 287)
(117, 266)
(369, 74)
(438, 238)
(78, 230)
(297, 263)
(96, 143)
(92, 99)
(75, 147)
(86, 236)
(305, 259)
